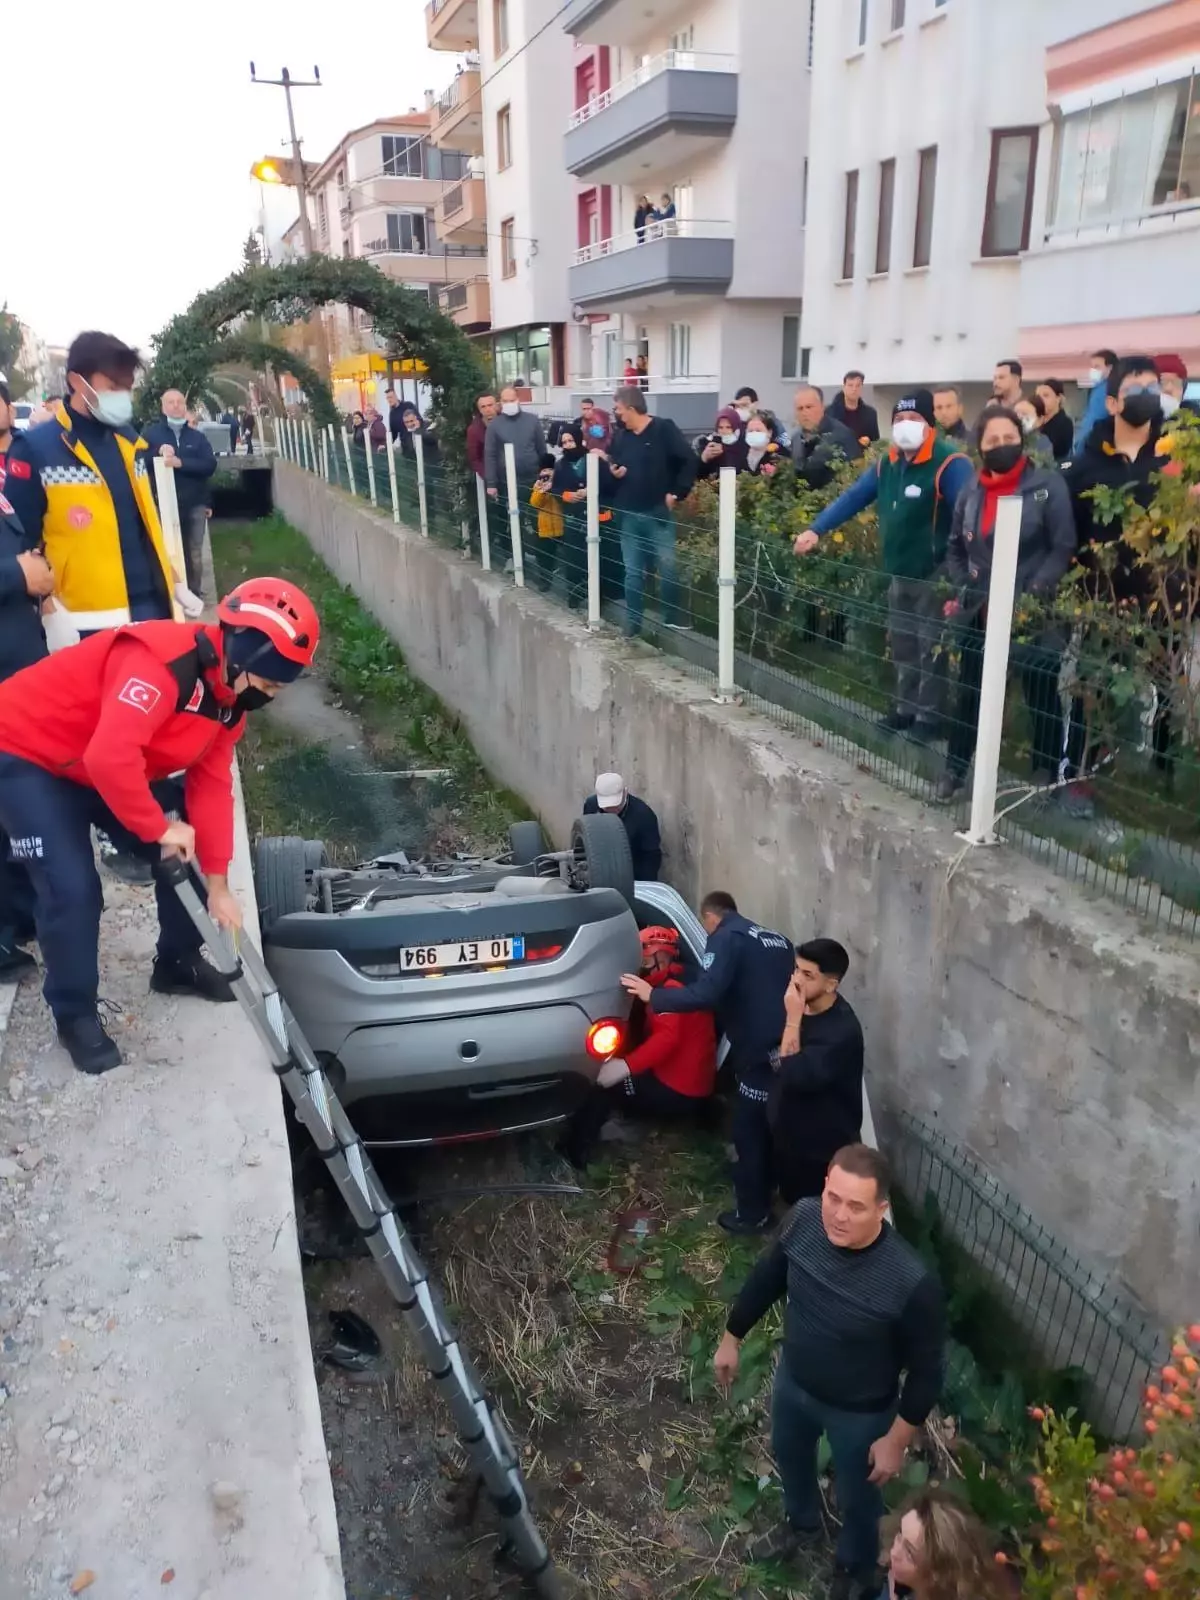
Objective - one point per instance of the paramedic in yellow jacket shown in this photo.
(80, 484)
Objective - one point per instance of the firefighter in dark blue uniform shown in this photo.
(25, 580)
(746, 973)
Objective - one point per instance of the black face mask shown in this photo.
(1141, 406)
(252, 699)
(1002, 457)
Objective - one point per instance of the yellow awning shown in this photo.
(357, 369)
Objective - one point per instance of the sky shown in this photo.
(129, 140)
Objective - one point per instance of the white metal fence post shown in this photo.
(726, 582)
(593, 539)
(324, 439)
(172, 527)
(485, 541)
(514, 516)
(331, 467)
(349, 460)
(297, 457)
(422, 498)
(370, 448)
(314, 464)
(997, 640)
(392, 480)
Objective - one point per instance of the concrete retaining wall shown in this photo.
(1041, 1028)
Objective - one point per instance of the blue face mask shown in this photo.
(596, 430)
(111, 406)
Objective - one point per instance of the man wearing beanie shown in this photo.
(914, 487)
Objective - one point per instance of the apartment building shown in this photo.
(702, 107)
(1014, 183)
(506, 109)
(386, 194)
(1114, 251)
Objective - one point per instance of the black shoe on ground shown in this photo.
(783, 1542)
(734, 1222)
(87, 1044)
(15, 963)
(193, 975)
(895, 722)
(950, 784)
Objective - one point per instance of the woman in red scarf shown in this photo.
(1047, 545)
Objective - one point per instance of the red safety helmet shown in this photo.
(658, 938)
(278, 610)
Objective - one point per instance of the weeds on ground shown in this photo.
(402, 719)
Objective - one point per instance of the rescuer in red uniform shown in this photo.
(133, 732)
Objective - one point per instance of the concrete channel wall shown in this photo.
(1041, 1028)
(159, 1421)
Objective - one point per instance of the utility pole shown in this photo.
(287, 83)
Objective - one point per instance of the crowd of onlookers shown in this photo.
(934, 490)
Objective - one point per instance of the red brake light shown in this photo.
(543, 952)
(604, 1039)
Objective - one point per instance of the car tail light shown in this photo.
(604, 1039)
(542, 952)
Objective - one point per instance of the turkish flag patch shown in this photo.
(197, 699)
(139, 694)
(6, 508)
(19, 468)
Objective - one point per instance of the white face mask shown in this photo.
(1169, 404)
(111, 406)
(744, 413)
(1028, 424)
(756, 440)
(908, 433)
(1095, 376)
(511, 408)
(731, 437)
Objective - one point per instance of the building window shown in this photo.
(864, 21)
(812, 23)
(883, 221)
(499, 26)
(508, 248)
(805, 362)
(322, 216)
(1124, 159)
(926, 187)
(345, 247)
(1009, 205)
(341, 177)
(789, 366)
(450, 166)
(897, 15)
(804, 194)
(679, 350)
(402, 157)
(407, 233)
(849, 218)
(504, 137)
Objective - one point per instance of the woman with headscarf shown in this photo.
(724, 447)
(358, 429)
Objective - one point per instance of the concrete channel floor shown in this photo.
(159, 1425)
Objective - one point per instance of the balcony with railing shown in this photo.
(469, 303)
(651, 266)
(623, 21)
(671, 110)
(690, 399)
(458, 116)
(452, 24)
(461, 212)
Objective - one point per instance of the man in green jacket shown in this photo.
(914, 486)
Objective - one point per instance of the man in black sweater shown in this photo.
(654, 468)
(852, 411)
(641, 823)
(861, 1309)
(816, 1097)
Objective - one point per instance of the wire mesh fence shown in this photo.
(1073, 1323)
(1099, 775)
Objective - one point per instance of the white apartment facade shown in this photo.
(702, 106)
(381, 196)
(506, 109)
(988, 184)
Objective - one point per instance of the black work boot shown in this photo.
(190, 974)
(87, 1044)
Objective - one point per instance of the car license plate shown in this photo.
(463, 953)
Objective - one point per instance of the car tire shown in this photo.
(526, 842)
(280, 878)
(600, 846)
(316, 857)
